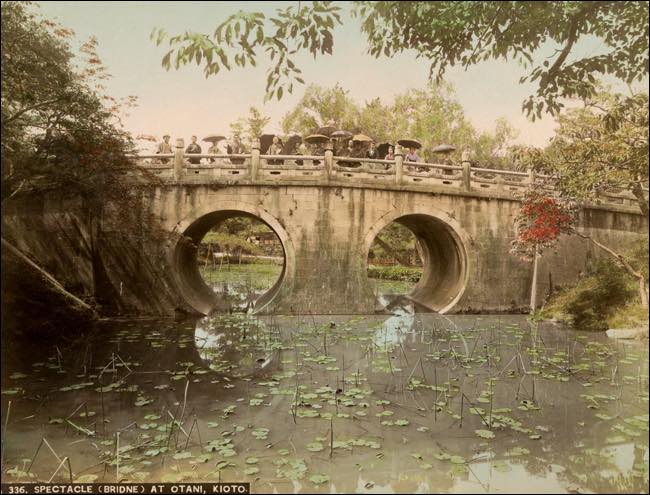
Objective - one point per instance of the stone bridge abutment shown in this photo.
(326, 233)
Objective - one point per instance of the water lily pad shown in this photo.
(315, 447)
(484, 433)
(319, 479)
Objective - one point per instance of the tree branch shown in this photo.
(30, 108)
(614, 254)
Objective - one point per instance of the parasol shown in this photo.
(410, 143)
(362, 138)
(291, 144)
(382, 150)
(316, 138)
(146, 137)
(444, 148)
(214, 138)
(265, 142)
(341, 134)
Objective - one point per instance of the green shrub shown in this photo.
(596, 296)
(395, 272)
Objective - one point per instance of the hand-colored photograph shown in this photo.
(324, 247)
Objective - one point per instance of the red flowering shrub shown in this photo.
(540, 222)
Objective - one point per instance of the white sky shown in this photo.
(183, 102)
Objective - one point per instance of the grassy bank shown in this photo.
(395, 272)
(257, 276)
(605, 297)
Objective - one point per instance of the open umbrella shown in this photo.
(444, 148)
(326, 130)
(362, 138)
(382, 150)
(214, 138)
(291, 144)
(265, 142)
(410, 143)
(316, 138)
(146, 137)
(341, 134)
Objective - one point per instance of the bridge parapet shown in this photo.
(357, 172)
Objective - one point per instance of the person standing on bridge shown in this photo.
(390, 155)
(412, 155)
(372, 152)
(236, 148)
(164, 148)
(275, 149)
(193, 149)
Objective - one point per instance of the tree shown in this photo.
(321, 106)
(430, 115)
(446, 33)
(541, 221)
(598, 148)
(252, 126)
(59, 130)
(62, 133)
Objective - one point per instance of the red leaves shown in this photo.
(541, 220)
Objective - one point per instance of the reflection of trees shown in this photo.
(469, 354)
(235, 345)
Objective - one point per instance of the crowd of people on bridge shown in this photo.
(345, 146)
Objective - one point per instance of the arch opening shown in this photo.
(230, 261)
(429, 263)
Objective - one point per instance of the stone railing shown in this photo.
(330, 169)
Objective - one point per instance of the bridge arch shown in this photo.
(196, 293)
(446, 263)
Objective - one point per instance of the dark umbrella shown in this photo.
(291, 144)
(382, 150)
(316, 138)
(265, 142)
(444, 148)
(214, 138)
(341, 134)
(326, 129)
(410, 143)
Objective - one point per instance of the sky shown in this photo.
(183, 102)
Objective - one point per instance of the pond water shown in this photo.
(239, 286)
(378, 404)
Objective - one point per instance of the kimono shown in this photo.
(193, 148)
(164, 149)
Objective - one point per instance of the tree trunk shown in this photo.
(639, 193)
(50, 280)
(390, 250)
(533, 288)
(643, 291)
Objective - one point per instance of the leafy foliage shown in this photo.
(431, 115)
(467, 33)
(403, 273)
(241, 37)
(232, 235)
(595, 297)
(59, 130)
(446, 33)
(252, 126)
(598, 148)
(540, 221)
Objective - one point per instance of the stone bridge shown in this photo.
(327, 210)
